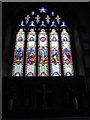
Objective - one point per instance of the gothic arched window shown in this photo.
(43, 46)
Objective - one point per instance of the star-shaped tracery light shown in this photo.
(58, 19)
(48, 19)
(27, 19)
(37, 19)
(42, 10)
(63, 24)
(32, 12)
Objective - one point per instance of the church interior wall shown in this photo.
(76, 12)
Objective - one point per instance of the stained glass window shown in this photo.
(54, 54)
(19, 54)
(43, 54)
(66, 54)
(30, 68)
(40, 35)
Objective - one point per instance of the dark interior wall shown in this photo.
(83, 14)
(77, 14)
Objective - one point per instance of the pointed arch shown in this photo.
(66, 53)
(54, 53)
(30, 66)
(18, 59)
(43, 54)
(44, 31)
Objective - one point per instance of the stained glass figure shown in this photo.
(66, 54)
(30, 69)
(19, 54)
(43, 54)
(54, 54)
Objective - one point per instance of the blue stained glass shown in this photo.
(27, 21)
(56, 52)
(42, 10)
(37, 21)
(22, 23)
(53, 24)
(67, 50)
(58, 21)
(32, 12)
(31, 51)
(42, 24)
(52, 13)
(48, 19)
(32, 24)
(63, 24)
(19, 50)
(43, 49)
